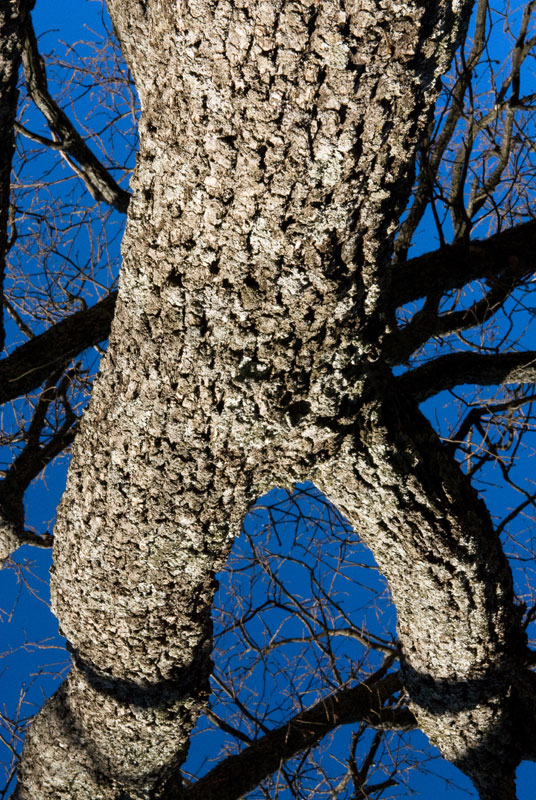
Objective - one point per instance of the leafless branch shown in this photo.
(31, 363)
(456, 369)
(238, 774)
(98, 180)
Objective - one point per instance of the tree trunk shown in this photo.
(276, 150)
(463, 648)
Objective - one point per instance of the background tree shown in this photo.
(255, 344)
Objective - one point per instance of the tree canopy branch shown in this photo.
(98, 180)
(12, 20)
(38, 451)
(11, 538)
(428, 323)
(238, 774)
(432, 154)
(31, 363)
(504, 255)
(455, 369)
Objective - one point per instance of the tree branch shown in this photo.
(505, 255)
(12, 20)
(38, 451)
(31, 363)
(238, 774)
(98, 180)
(11, 539)
(454, 369)
(476, 414)
(427, 323)
(433, 152)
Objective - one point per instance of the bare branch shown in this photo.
(17, 319)
(238, 774)
(509, 253)
(39, 448)
(428, 323)
(11, 538)
(432, 153)
(98, 180)
(30, 364)
(224, 726)
(12, 21)
(455, 369)
(476, 413)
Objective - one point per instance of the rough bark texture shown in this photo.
(9, 541)
(463, 648)
(276, 145)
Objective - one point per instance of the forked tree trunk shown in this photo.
(276, 149)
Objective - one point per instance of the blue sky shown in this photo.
(25, 618)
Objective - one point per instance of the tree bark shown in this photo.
(276, 151)
(463, 648)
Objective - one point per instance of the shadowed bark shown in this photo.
(464, 657)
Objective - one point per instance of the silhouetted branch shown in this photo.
(98, 180)
(12, 21)
(428, 323)
(31, 363)
(238, 774)
(455, 369)
(43, 442)
(433, 151)
(506, 255)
